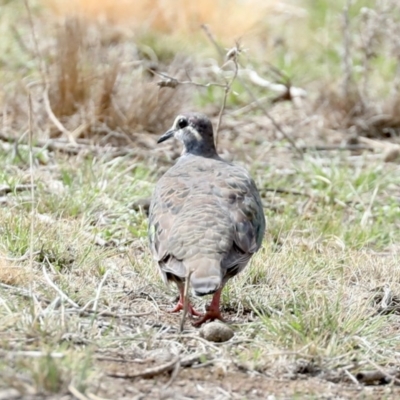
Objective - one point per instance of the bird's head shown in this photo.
(195, 132)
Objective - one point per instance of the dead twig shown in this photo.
(368, 212)
(24, 293)
(197, 358)
(113, 315)
(212, 39)
(377, 375)
(65, 147)
(285, 91)
(121, 360)
(174, 375)
(232, 55)
(346, 61)
(269, 116)
(149, 372)
(92, 396)
(30, 353)
(42, 64)
(5, 189)
(351, 376)
(185, 301)
(32, 191)
(254, 98)
(285, 191)
(350, 147)
(96, 300)
(75, 392)
(56, 288)
(171, 82)
(391, 374)
(54, 119)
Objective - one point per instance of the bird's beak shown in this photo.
(166, 135)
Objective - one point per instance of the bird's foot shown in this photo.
(210, 315)
(179, 307)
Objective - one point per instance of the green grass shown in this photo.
(312, 286)
(313, 294)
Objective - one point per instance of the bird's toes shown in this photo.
(210, 315)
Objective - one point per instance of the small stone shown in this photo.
(216, 332)
(10, 394)
(392, 154)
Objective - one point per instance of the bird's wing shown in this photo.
(247, 216)
(167, 202)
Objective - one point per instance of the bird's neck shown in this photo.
(200, 149)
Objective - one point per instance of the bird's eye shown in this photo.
(182, 123)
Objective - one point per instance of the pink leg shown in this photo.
(180, 304)
(213, 311)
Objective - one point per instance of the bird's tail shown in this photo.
(206, 277)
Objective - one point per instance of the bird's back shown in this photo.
(206, 216)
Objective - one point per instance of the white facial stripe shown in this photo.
(195, 133)
(175, 125)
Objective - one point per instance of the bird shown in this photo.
(206, 217)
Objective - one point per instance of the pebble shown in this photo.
(216, 332)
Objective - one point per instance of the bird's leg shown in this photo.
(181, 303)
(213, 312)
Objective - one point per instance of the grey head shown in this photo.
(195, 131)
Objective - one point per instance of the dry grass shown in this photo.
(366, 97)
(179, 17)
(97, 91)
(317, 306)
(91, 89)
(12, 274)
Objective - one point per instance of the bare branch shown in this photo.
(149, 372)
(232, 55)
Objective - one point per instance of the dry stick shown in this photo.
(185, 300)
(211, 38)
(92, 396)
(4, 304)
(44, 73)
(351, 377)
(232, 55)
(376, 375)
(75, 392)
(171, 82)
(349, 147)
(270, 117)
(32, 228)
(54, 119)
(5, 189)
(347, 72)
(149, 372)
(367, 214)
(57, 289)
(66, 147)
(228, 86)
(24, 292)
(42, 65)
(253, 97)
(113, 315)
(285, 191)
(96, 301)
(26, 256)
(30, 353)
(174, 374)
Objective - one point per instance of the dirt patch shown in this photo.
(217, 383)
